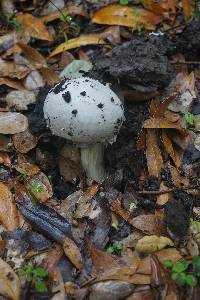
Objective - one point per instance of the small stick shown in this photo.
(167, 191)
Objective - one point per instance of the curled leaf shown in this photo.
(152, 243)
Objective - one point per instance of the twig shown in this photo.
(168, 191)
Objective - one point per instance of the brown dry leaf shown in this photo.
(152, 243)
(166, 8)
(9, 282)
(24, 141)
(53, 256)
(11, 83)
(141, 142)
(12, 70)
(172, 117)
(9, 216)
(112, 34)
(164, 254)
(179, 181)
(142, 293)
(33, 56)
(26, 168)
(5, 143)
(34, 26)
(126, 16)
(160, 107)
(160, 122)
(72, 252)
(153, 153)
(5, 159)
(188, 8)
(170, 148)
(72, 10)
(58, 286)
(118, 209)
(49, 75)
(83, 40)
(149, 224)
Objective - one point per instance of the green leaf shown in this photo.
(168, 264)
(196, 263)
(180, 266)
(123, 2)
(110, 250)
(180, 278)
(191, 280)
(29, 277)
(189, 118)
(40, 272)
(40, 286)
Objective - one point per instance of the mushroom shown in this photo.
(89, 114)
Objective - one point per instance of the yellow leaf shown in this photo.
(83, 40)
(152, 243)
(166, 8)
(34, 26)
(9, 282)
(126, 16)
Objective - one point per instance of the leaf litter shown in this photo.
(108, 240)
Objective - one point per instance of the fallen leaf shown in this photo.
(5, 143)
(164, 254)
(7, 41)
(9, 282)
(188, 8)
(142, 293)
(126, 16)
(11, 122)
(83, 40)
(166, 8)
(54, 255)
(11, 83)
(40, 187)
(118, 209)
(153, 153)
(58, 287)
(49, 76)
(178, 180)
(5, 159)
(9, 216)
(160, 122)
(158, 272)
(72, 10)
(152, 243)
(33, 56)
(72, 252)
(170, 149)
(148, 224)
(12, 70)
(34, 26)
(24, 141)
(26, 168)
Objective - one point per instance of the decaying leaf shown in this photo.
(12, 70)
(165, 8)
(153, 153)
(34, 26)
(152, 243)
(9, 216)
(24, 141)
(11, 122)
(170, 149)
(73, 253)
(26, 168)
(5, 159)
(118, 209)
(49, 76)
(33, 56)
(72, 10)
(9, 282)
(126, 16)
(149, 224)
(83, 40)
(11, 83)
(160, 122)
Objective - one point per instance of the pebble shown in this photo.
(11, 122)
(20, 99)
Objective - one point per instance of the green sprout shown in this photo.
(115, 248)
(189, 118)
(65, 17)
(36, 187)
(35, 277)
(13, 21)
(123, 2)
(183, 272)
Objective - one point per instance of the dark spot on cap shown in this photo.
(69, 133)
(83, 93)
(100, 105)
(86, 80)
(116, 127)
(74, 112)
(102, 116)
(112, 99)
(59, 87)
(67, 96)
(118, 121)
(121, 106)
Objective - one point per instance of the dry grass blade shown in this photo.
(153, 153)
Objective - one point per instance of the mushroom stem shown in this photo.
(92, 158)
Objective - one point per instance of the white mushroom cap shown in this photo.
(84, 111)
